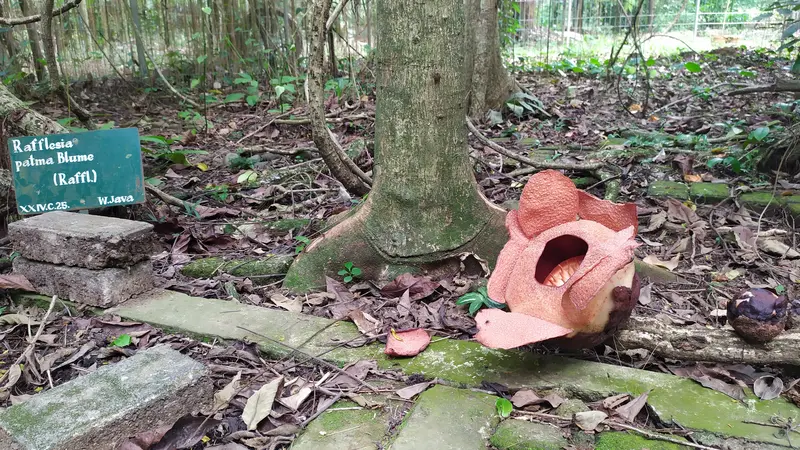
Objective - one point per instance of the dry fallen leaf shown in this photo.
(16, 281)
(768, 387)
(645, 294)
(224, 396)
(630, 410)
(409, 392)
(294, 305)
(670, 265)
(367, 325)
(526, 397)
(589, 420)
(259, 405)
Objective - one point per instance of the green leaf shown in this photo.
(206, 10)
(348, 265)
(155, 139)
(176, 158)
(759, 133)
(194, 84)
(504, 407)
(123, 340)
(747, 74)
(201, 58)
(152, 181)
(279, 90)
(693, 67)
(713, 162)
(302, 239)
(3, 309)
(342, 272)
(650, 62)
(474, 307)
(356, 271)
(469, 297)
(779, 289)
(235, 97)
(348, 279)
(252, 100)
(493, 304)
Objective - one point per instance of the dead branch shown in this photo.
(259, 149)
(778, 86)
(538, 164)
(335, 14)
(337, 164)
(705, 344)
(32, 344)
(35, 18)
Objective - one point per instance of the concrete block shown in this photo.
(82, 240)
(104, 287)
(101, 410)
(464, 421)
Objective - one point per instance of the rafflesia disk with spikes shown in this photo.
(567, 271)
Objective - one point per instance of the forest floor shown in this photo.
(252, 186)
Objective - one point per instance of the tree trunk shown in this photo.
(137, 24)
(33, 38)
(425, 208)
(165, 21)
(491, 85)
(579, 17)
(9, 42)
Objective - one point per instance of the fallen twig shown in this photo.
(778, 86)
(32, 344)
(538, 164)
(611, 423)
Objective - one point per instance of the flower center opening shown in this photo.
(560, 259)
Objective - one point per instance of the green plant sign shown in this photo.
(63, 172)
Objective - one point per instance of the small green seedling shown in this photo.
(349, 272)
(303, 241)
(477, 299)
(123, 340)
(504, 407)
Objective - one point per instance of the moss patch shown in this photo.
(628, 441)
(523, 435)
(760, 199)
(257, 268)
(286, 225)
(348, 429)
(662, 189)
(708, 192)
(446, 417)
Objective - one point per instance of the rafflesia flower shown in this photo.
(567, 271)
(758, 315)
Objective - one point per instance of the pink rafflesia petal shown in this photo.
(616, 216)
(507, 259)
(549, 198)
(500, 329)
(413, 342)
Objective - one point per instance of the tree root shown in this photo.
(524, 160)
(348, 241)
(703, 344)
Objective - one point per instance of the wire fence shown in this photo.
(555, 29)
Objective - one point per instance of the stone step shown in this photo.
(344, 429)
(100, 410)
(466, 363)
(82, 240)
(446, 418)
(103, 287)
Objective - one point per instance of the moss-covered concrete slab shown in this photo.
(344, 429)
(466, 363)
(614, 440)
(260, 270)
(515, 434)
(708, 192)
(667, 189)
(98, 411)
(761, 199)
(275, 331)
(672, 398)
(445, 418)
